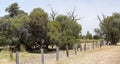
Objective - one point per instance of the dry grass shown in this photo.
(24, 56)
(5, 58)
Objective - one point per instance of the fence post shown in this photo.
(42, 55)
(88, 46)
(104, 43)
(57, 53)
(67, 52)
(75, 49)
(80, 47)
(96, 44)
(85, 47)
(17, 57)
(93, 45)
(100, 44)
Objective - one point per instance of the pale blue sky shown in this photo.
(86, 9)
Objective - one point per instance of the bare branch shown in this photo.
(53, 14)
(103, 16)
(99, 18)
(72, 15)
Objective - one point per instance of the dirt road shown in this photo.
(104, 55)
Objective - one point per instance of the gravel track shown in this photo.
(104, 55)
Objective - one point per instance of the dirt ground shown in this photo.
(104, 55)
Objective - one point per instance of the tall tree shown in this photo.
(38, 27)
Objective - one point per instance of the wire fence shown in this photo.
(50, 58)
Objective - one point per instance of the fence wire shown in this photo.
(50, 58)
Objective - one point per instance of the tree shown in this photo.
(110, 28)
(9, 27)
(14, 28)
(38, 27)
(88, 35)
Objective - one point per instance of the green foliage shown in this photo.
(63, 31)
(23, 31)
(54, 32)
(12, 10)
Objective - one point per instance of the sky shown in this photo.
(87, 10)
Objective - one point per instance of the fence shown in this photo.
(52, 57)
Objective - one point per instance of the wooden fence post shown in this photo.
(104, 43)
(17, 57)
(88, 46)
(57, 53)
(96, 44)
(75, 49)
(67, 51)
(100, 44)
(93, 45)
(42, 56)
(85, 47)
(80, 47)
